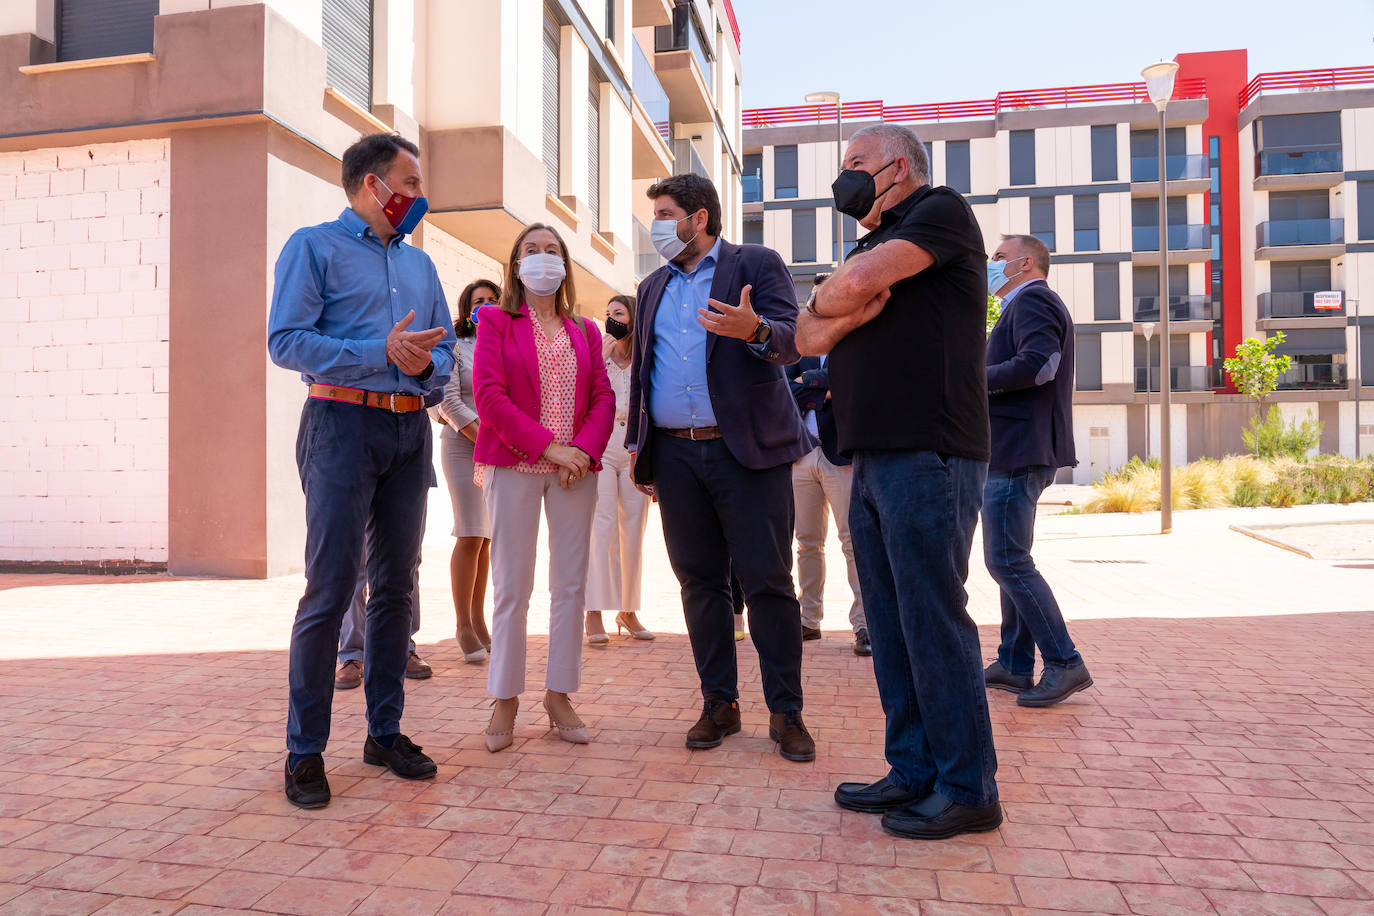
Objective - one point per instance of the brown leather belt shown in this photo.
(695, 433)
(395, 403)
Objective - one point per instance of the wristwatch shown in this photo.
(762, 333)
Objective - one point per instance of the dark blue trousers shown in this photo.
(366, 475)
(912, 517)
(720, 516)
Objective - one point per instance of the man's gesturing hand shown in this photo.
(409, 350)
(724, 320)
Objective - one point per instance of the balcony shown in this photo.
(1297, 162)
(652, 157)
(1176, 168)
(685, 159)
(1181, 308)
(1292, 239)
(1304, 376)
(1295, 305)
(647, 258)
(1181, 378)
(752, 183)
(684, 66)
(1187, 243)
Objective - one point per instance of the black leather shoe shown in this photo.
(872, 798)
(862, 645)
(995, 677)
(718, 719)
(810, 633)
(937, 818)
(794, 741)
(306, 786)
(1056, 684)
(403, 758)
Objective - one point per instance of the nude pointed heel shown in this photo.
(573, 734)
(622, 623)
(500, 740)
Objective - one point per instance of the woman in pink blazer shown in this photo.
(546, 408)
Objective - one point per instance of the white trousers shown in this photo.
(513, 503)
(821, 489)
(622, 513)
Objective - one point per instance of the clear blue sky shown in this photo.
(912, 51)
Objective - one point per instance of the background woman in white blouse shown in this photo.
(622, 511)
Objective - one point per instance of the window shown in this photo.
(1145, 155)
(551, 78)
(785, 171)
(804, 235)
(957, 167)
(753, 228)
(1087, 359)
(1364, 195)
(104, 28)
(347, 39)
(594, 151)
(1145, 212)
(1106, 292)
(753, 178)
(1042, 220)
(1299, 276)
(1104, 152)
(1366, 355)
(1085, 235)
(1022, 156)
(1145, 291)
(1312, 130)
(849, 232)
(1292, 205)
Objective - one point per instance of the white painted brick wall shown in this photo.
(84, 273)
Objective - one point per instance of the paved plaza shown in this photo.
(1221, 763)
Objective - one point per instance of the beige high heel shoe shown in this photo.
(499, 739)
(573, 734)
(625, 622)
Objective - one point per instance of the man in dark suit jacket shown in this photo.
(821, 483)
(714, 431)
(1030, 402)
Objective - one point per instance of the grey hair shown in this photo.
(1038, 251)
(895, 140)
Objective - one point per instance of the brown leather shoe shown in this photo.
(718, 719)
(794, 741)
(349, 675)
(418, 668)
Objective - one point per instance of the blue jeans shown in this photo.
(1030, 615)
(366, 475)
(912, 516)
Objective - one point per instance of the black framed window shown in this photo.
(104, 28)
(550, 102)
(753, 228)
(1106, 292)
(1292, 205)
(1364, 194)
(753, 178)
(804, 234)
(1145, 212)
(1042, 220)
(1022, 156)
(1085, 227)
(1087, 359)
(1104, 152)
(957, 174)
(785, 171)
(346, 34)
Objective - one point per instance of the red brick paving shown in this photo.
(1217, 766)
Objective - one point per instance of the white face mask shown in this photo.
(663, 233)
(542, 274)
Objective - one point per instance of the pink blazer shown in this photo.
(505, 383)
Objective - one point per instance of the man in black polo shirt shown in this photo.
(903, 320)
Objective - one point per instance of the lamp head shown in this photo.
(1159, 82)
(1148, 329)
(832, 97)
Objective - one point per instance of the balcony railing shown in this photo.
(1176, 168)
(685, 159)
(649, 90)
(1298, 162)
(753, 187)
(1313, 375)
(1181, 308)
(1181, 378)
(1189, 237)
(1299, 232)
(647, 258)
(682, 35)
(1305, 81)
(1293, 305)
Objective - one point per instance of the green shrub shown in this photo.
(1272, 437)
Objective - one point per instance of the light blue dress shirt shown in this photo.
(339, 291)
(678, 396)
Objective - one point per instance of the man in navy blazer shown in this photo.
(1030, 402)
(714, 431)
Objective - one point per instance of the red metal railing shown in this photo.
(734, 23)
(978, 108)
(1305, 79)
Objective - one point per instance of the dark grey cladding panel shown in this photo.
(789, 204)
(1359, 248)
(1096, 257)
(1359, 176)
(1101, 327)
(1105, 187)
(1302, 102)
(755, 138)
(975, 199)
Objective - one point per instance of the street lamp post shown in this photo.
(1359, 371)
(1159, 82)
(1148, 329)
(839, 160)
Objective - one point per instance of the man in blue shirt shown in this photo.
(714, 431)
(347, 296)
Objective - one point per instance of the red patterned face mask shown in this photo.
(403, 213)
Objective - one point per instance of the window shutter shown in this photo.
(551, 103)
(347, 35)
(594, 152)
(104, 28)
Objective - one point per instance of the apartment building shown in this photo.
(156, 154)
(1270, 201)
